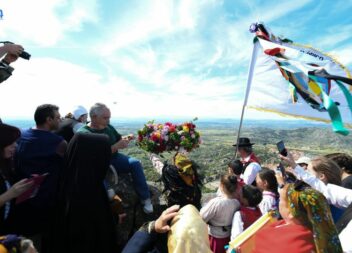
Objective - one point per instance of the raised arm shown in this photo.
(336, 195)
(157, 163)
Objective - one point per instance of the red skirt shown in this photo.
(217, 245)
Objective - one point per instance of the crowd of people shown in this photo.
(54, 194)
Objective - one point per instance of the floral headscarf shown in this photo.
(311, 208)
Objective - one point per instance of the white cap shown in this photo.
(79, 111)
(303, 159)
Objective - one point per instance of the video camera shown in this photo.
(23, 55)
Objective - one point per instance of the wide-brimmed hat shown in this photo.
(244, 142)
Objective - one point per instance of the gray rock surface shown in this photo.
(133, 208)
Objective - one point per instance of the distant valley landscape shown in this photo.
(301, 137)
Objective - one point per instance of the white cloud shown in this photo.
(162, 58)
(153, 19)
(44, 22)
(344, 54)
(67, 85)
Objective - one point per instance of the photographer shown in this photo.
(11, 52)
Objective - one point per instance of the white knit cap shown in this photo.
(79, 111)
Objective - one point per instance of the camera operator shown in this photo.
(11, 52)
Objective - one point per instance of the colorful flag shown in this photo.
(298, 81)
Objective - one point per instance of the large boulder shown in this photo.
(134, 210)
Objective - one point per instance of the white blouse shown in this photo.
(218, 213)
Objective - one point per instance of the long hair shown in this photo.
(269, 176)
(329, 168)
(8, 135)
(343, 160)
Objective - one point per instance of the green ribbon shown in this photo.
(332, 109)
(346, 92)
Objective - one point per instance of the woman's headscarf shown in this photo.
(312, 210)
(84, 220)
(189, 233)
(182, 182)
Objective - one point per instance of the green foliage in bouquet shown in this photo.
(157, 138)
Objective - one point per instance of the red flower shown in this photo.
(172, 128)
(154, 137)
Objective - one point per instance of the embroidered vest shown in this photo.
(252, 159)
(249, 216)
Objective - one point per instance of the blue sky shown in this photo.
(154, 58)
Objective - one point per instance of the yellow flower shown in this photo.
(185, 128)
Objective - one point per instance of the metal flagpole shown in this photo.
(249, 83)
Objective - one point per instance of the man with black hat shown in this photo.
(251, 164)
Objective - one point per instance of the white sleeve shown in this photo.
(265, 205)
(336, 195)
(157, 163)
(345, 238)
(251, 172)
(237, 225)
(209, 210)
(77, 126)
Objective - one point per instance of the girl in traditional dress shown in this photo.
(267, 183)
(218, 213)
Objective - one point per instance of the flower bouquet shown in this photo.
(157, 138)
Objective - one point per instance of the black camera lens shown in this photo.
(25, 55)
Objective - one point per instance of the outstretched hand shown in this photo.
(161, 224)
(288, 159)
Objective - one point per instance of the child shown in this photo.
(218, 213)
(236, 167)
(266, 182)
(249, 211)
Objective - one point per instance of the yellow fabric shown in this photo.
(189, 233)
(184, 164)
(245, 241)
(3, 249)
